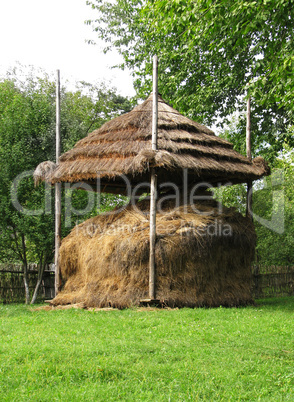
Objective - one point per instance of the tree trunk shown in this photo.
(40, 276)
(25, 270)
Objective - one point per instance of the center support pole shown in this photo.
(153, 184)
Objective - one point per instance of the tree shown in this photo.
(212, 54)
(27, 137)
(275, 203)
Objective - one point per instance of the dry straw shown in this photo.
(122, 146)
(44, 171)
(201, 260)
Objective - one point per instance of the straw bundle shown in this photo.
(44, 171)
(201, 259)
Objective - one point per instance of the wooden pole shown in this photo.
(57, 189)
(155, 103)
(152, 235)
(249, 156)
(153, 195)
(248, 130)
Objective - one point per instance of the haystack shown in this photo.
(104, 261)
(203, 258)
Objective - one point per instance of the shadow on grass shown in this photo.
(277, 303)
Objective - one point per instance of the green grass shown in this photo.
(239, 354)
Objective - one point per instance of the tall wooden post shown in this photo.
(153, 195)
(249, 156)
(57, 189)
(248, 130)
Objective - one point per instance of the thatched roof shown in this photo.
(122, 146)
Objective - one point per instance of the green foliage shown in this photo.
(232, 196)
(276, 246)
(81, 205)
(143, 355)
(24, 116)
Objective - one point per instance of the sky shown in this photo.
(51, 34)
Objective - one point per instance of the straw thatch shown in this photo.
(44, 171)
(122, 146)
(201, 259)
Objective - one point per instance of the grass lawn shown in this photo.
(219, 354)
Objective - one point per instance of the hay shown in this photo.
(43, 172)
(202, 260)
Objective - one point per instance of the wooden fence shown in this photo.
(12, 285)
(272, 281)
(267, 281)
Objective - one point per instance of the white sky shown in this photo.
(51, 34)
